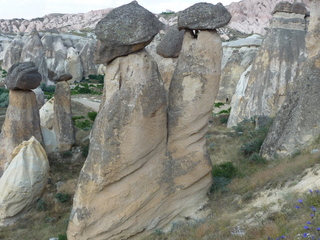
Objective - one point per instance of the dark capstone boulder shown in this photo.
(64, 77)
(299, 8)
(170, 45)
(23, 76)
(126, 29)
(204, 16)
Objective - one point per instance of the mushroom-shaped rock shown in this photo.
(204, 16)
(62, 78)
(126, 29)
(170, 45)
(23, 76)
(298, 8)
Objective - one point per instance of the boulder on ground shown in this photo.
(119, 36)
(24, 181)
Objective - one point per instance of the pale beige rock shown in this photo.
(125, 161)
(24, 181)
(274, 70)
(297, 125)
(194, 86)
(21, 123)
(149, 181)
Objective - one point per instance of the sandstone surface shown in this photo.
(297, 124)
(132, 115)
(274, 70)
(119, 36)
(204, 16)
(24, 181)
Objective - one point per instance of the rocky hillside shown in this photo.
(61, 22)
(247, 16)
(253, 16)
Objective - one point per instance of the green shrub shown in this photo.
(41, 205)
(85, 151)
(66, 154)
(257, 158)
(249, 148)
(222, 176)
(62, 197)
(62, 237)
(47, 89)
(225, 170)
(4, 99)
(92, 115)
(83, 124)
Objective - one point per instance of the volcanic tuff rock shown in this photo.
(237, 57)
(62, 120)
(23, 76)
(116, 37)
(24, 181)
(63, 22)
(274, 69)
(253, 16)
(171, 43)
(13, 52)
(204, 16)
(33, 51)
(133, 164)
(22, 118)
(74, 65)
(56, 119)
(297, 124)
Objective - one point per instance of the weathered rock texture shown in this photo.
(24, 181)
(62, 120)
(115, 35)
(56, 120)
(237, 57)
(253, 16)
(171, 43)
(204, 16)
(297, 124)
(21, 123)
(33, 51)
(13, 52)
(274, 70)
(74, 65)
(151, 169)
(23, 76)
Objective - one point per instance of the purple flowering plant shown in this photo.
(311, 229)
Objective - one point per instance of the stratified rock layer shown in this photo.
(274, 69)
(297, 124)
(125, 162)
(24, 181)
(119, 36)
